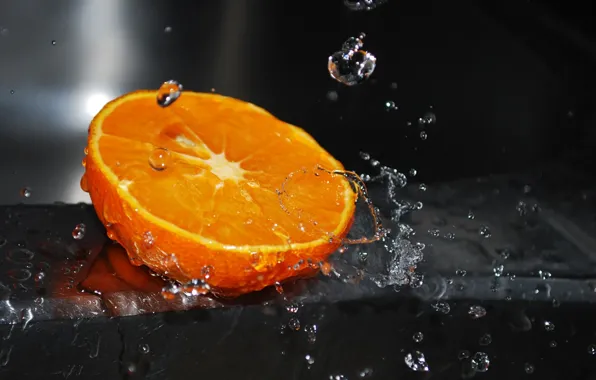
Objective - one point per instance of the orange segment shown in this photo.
(192, 190)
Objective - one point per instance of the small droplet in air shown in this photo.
(79, 231)
(544, 275)
(498, 270)
(592, 349)
(485, 340)
(167, 29)
(363, 5)
(441, 307)
(25, 192)
(11, 92)
(332, 96)
(549, 326)
(416, 362)
(53, 42)
(353, 43)
(159, 159)
(413, 172)
(484, 231)
(423, 135)
(168, 93)
(461, 272)
(480, 362)
(418, 337)
(422, 187)
(309, 359)
(349, 66)
(471, 215)
(477, 311)
(529, 368)
(390, 105)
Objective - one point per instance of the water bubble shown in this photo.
(293, 307)
(418, 205)
(365, 156)
(484, 231)
(144, 348)
(422, 187)
(353, 43)
(485, 340)
(549, 326)
(477, 311)
(350, 66)
(498, 270)
(504, 253)
(416, 362)
(311, 333)
(332, 96)
(463, 354)
(309, 359)
(471, 215)
(529, 368)
(25, 192)
(552, 344)
(390, 106)
(556, 302)
(366, 372)
(544, 275)
(168, 93)
(167, 29)
(461, 272)
(294, 324)
(53, 42)
(441, 307)
(434, 232)
(362, 257)
(363, 5)
(79, 231)
(423, 135)
(11, 92)
(449, 236)
(413, 172)
(338, 377)
(418, 337)
(428, 118)
(592, 349)
(480, 362)
(159, 159)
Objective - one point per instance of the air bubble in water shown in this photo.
(549, 326)
(544, 275)
(423, 135)
(311, 333)
(422, 187)
(413, 172)
(480, 362)
(416, 362)
(25, 192)
(463, 354)
(11, 92)
(79, 231)
(592, 349)
(441, 307)
(428, 118)
(434, 232)
(477, 311)
(418, 337)
(167, 29)
(168, 93)
(365, 156)
(144, 348)
(471, 215)
(294, 324)
(363, 5)
(485, 340)
(498, 270)
(484, 231)
(390, 106)
(53, 42)
(529, 368)
(159, 159)
(351, 65)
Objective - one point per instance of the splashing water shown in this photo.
(168, 93)
(416, 362)
(351, 65)
(363, 5)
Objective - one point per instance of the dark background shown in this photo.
(512, 87)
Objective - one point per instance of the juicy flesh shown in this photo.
(226, 163)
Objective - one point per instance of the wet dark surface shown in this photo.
(512, 88)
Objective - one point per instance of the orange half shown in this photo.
(214, 188)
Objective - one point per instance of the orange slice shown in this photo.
(214, 188)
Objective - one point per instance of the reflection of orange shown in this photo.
(191, 190)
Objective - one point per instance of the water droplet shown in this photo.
(363, 5)
(423, 135)
(309, 359)
(53, 42)
(477, 311)
(553, 344)
(418, 337)
(544, 275)
(353, 43)
(592, 349)
(485, 340)
(294, 324)
(529, 368)
(367, 372)
(463, 354)
(362, 257)
(351, 67)
(461, 272)
(148, 240)
(428, 118)
(25, 192)
(512, 277)
(498, 270)
(332, 96)
(413, 172)
(144, 348)
(484, 231)
(390, 105)
(422, 187)
(471, 215)
(167, 29)
(168, 93)
(159, 159)
(79, 231)
(416, 362)
(311, 333)
(480, 362)
(449, 236)
(441, 307)
(365, 156)
(207, 272)
(434, 232)
(11, 92)
(549, 326)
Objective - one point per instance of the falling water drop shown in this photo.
(168, 93)
(529, 368)
(25, 192)
(477, 311)
(79, 231)
(484, 231)
(418, 337)
(351, 65)
(480, 362)
(423, 135)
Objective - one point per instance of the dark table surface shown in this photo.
(512, 87)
